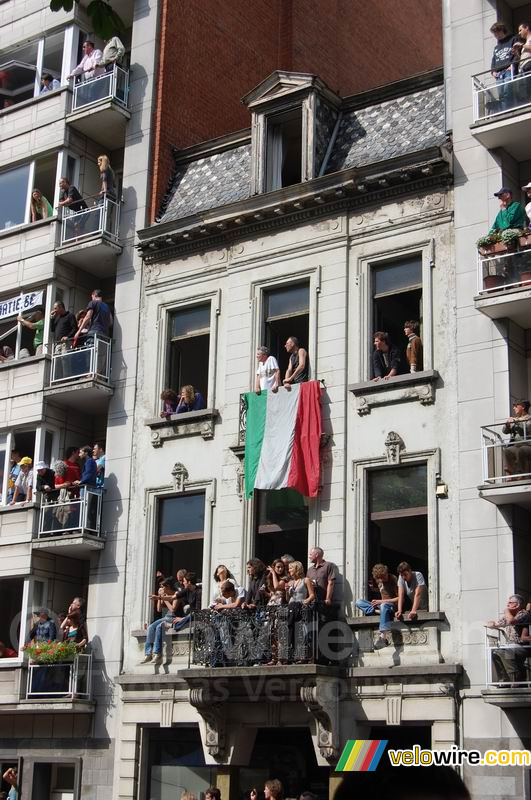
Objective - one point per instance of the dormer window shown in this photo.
(284, 149)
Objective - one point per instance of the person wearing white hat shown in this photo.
(527, 190)
(45, 480)
(24, 482)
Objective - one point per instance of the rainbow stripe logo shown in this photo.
(361, 755)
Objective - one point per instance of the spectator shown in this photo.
(388, 586)
(190, 400)
(273, 790)
(256, 595)
(277, 578)
(6, 353)
(98, 454)
(69, 197)
(212, 794)
(516, 622)
(89, 67)
(13, 474)
(188, 796)
(44, 630)
(7, 652)
(300, 587)
(511, 213)
(503, 59)
(113, 53)
(222, 575)
(63, 325)
(170, 400)
(11, 777)
(90, 470)
(108, 183)
(228, 597)
(49, 84)
(45, 481)
(527, 190)
(268, 372)
(73, 470)
(323, 575)
(519, 429)
(74, 627)
(190, 596)
(36, 325)
(24, 482)
(411, 589)
(166, 601)
(40, 207)
(299, 365)
(98, 317)
(386, 358)
(287, 559)
(414, 349)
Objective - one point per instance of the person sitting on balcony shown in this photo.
(519, 429)
(298, 370)
(49, 83)
(88, 67)
(6, 353)
(70, 197)
(108, 187)
(386, 357)
(11, 777)
(24, 482)
(166, 603)
(388, 587)
(268, 372)
(256, 595)
(44, 630)
(412, 590)
(98, 317)
(516, 623)
(223, 575)
(190, 595)
(45, 481)
(170, 401)
(190, 400)
(511, 213)
(89, 469)
(98, 454)
(74, 627)
(229, 596)
(37, 325)
(113, 53)
(7, 652)
(414, 349)
(503, 63)
(40, 207)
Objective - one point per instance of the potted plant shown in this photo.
(525, 239)
(51, 652)
(491, 243)
(54, 659)
(510, 237)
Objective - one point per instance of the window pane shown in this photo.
(53, 55)
(288, 300)
(396, 489)
(11, 592)
(189, 321)
(398, 276)
(44, 180)
(182, 515)
(13, 194)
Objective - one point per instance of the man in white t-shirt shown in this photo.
(413, 586)
(268, 372)
(527, 190)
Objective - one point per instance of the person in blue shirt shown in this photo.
(98, 453)
(190, 400)
(44, 630)
(89, 472)
(10, 776)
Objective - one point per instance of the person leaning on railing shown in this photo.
(522, 50)
(113, 54)
(519, 429)
(510, 660)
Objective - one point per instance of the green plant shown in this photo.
(511, 235)
(488, 239)
(51, 652)
(105, 20)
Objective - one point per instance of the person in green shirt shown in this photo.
(37, 325)
(40, 206)
(511, 213)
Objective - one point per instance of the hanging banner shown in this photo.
(17, 305)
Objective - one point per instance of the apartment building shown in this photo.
(58, 722)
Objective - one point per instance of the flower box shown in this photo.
(525, 241)
(51, 652)
(493, 249)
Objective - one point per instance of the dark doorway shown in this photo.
(181, 530)
(281, 525)
(176, 763)
(286, 313)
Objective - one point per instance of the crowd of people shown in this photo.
(273, 790)
(284, 583)
(68, 626)
(511, 58)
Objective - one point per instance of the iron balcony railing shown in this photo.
(101, 219)
(242, 421)
(110, 86)
(507, 664)
(492, 97)
(88, 357)
(70, 514)
(504, 271)
(67, 680)
(506, 452)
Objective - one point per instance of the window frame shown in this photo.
(54, 761)
(38, 452)
(48, 292)
(27, 603)
(61, 156)
(358, 546)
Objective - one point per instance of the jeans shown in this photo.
(155, 633)
(505, 90)
(387, 612)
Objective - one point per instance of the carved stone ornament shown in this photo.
(180, 476)
(393, 446)
(213, 717)
(322, 701)
(167, 699)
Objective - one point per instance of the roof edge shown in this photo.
(390, 91)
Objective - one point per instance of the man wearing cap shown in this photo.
(24, 482)
(511, 213)
(44, 630)
(45, 481)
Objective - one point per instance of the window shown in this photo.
(398, 517)
(37, 444)
(397, 297)
(16, 186)
(175, 761)
(53, 781)
(5, 764)
(281, 525)
(22, 67)
(181, 526)
(189, 347)
(12, 593)
(284, 149)
(16, 340)
(286, 313)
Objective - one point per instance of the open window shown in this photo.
(398, 517)
(286, 313)
(181, 526)
(17, 184)
(53, 781)
(37, 444)
(189, 347)
(21, 68)
(11, 614)
(284, 149)
(281, 525)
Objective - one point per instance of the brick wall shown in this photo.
(212, 53)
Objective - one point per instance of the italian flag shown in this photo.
(282, 439)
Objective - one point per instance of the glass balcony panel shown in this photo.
(493, 97)
(508, 664)
(71, 680)
(99, 220)
(110, 86)
(504, 271)
(90, 357)
(506, 454)
(72, 514)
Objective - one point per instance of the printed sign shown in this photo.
(19, 304)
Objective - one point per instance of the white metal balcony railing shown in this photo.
(110, 86)
(89, 358)
(68, 680)
(504, 271)
(492, 97)
(507, 664)
(506, 455)
(101, 219)
(72, 514)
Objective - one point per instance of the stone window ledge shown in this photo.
(182, 635)
(34, 505)
(192, 423)
(373, 620)
(413, 386)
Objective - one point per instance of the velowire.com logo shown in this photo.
(361, 755)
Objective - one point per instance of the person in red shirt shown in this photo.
(7, 652)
